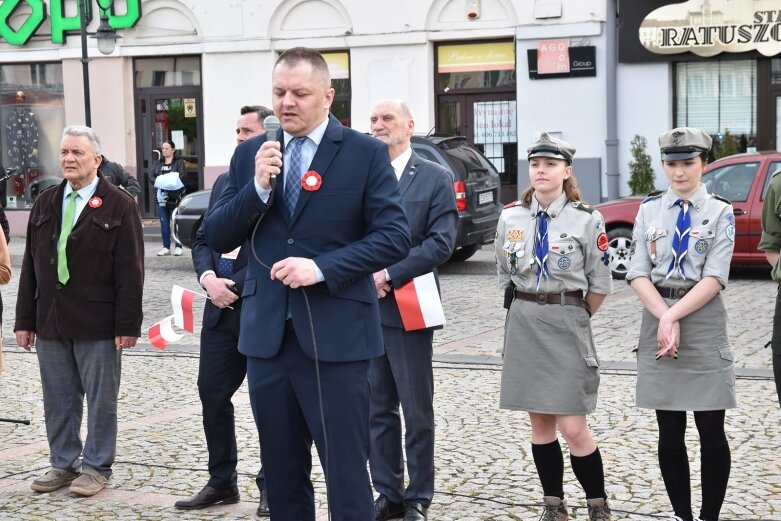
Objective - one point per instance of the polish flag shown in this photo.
(419, 303)
(162, 333)
(182, 304)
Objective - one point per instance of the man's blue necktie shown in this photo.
(293, 173)
(541, 247)
(683, 227)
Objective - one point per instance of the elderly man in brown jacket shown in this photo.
(80, 293)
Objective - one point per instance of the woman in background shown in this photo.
(168, 200)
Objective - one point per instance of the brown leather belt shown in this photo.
(672, 292)
(565, 298)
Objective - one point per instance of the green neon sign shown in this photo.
(61, 24)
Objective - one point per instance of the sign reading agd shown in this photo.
(61, 24)
(553, 56)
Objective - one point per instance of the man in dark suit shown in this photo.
(222, 368)
(309, 318)
(403, 375)
(80, 294)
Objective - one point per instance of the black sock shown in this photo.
(715, 460)
(550, 467)
(674, 461)
(590, 473)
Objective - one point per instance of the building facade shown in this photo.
(497, 71)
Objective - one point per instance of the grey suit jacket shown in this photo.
(429, 202)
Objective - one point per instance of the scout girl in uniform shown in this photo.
(682, 241)
(551, 255)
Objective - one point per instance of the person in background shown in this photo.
(5, 277)
(682, 244)
(80, 293)
(552, 260)
(403, 375)
(770, 243)
(168, 200)
(118, 176)
(222, 368)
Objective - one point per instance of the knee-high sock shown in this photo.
(550, 467)
(590, 474)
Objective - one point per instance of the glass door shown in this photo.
(174, 116)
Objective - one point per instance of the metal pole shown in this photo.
(611, 141)
(85, 62)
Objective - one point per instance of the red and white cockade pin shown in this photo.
(95, 202)
(311, 181)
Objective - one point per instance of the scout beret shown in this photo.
(683, 143)
(547, 146)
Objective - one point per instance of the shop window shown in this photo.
(775, 71)
(476, 66)
(339, 69)
(32, 116)
(719, 97)
(170, 71)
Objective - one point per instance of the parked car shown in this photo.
(475, 183)
(742, 178)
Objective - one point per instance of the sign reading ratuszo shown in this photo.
(710, 27)
(28, 21)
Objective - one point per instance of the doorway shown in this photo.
(489, 120)
(168, 113)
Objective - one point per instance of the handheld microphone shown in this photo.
(271, 124)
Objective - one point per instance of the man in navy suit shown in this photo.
(222, 368)
(317, 232)
(404, 374)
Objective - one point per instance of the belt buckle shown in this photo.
(542, 299)
(680, 292)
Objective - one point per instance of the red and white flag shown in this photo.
(419, 303)
(162, 333)
(182, 304)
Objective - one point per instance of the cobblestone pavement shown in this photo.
(484, 469)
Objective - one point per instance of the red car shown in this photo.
(742, 178)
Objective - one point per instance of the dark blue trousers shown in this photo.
(221, 371)
(403, 376)
(284, 395)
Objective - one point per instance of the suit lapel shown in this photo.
(326, 152)
(408, 175)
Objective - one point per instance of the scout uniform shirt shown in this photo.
(771, 222)
(710, 243)
(577, 258)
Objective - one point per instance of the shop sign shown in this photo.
(189, 107)
(495, 122)
(490, 56)
(712, 27)
(553, 56)
(581, 62)
(61, 24)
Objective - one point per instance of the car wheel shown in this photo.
(619, 247)
(463, 253)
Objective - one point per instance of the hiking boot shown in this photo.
(89, 483)
(555, 509)
(598, 510)
(53, 480)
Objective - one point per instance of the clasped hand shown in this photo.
(668, 337)
(219, 291)
(294, 272)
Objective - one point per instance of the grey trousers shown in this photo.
(71, 369)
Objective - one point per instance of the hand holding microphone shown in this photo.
(268, 160)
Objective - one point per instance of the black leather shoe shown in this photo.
(386, 509)
(414, 511)
(262, 510)
(209, 496)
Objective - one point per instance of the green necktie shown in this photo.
(67, 226)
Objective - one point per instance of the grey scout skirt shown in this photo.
(703, 376)
(550, 364)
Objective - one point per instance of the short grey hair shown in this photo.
(404, 108)
(82, 130)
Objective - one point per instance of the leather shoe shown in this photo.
(209, 496)
(415, 511)
(387, 509)
(262, 510)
